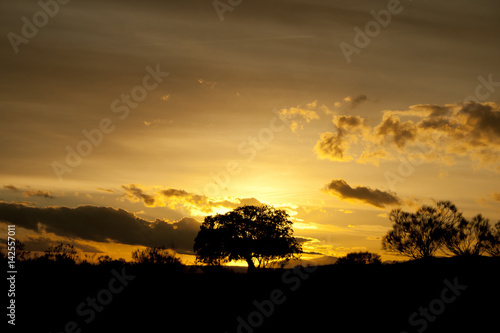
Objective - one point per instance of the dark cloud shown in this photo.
(348, 122)
(103, 224)
(105, 190)
(38, 193)
(377, 198)
(135, 193)
(334, 146)
(11, 187)
(394, 130)
(303, 240)
(483, 120)
(30, 193)
(357, 100)
(435, 110)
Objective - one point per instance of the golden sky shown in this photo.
(159, 111)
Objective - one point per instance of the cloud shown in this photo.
(194, 204)
(30, 193)
(11, 187)
(297, 115)
(354, 101)
(351, 102)
(496, 196)
(392, 129)
(204, 83)
(334, 146)
(102, 224)
(38, 193)
(105, 190)
(134, 193)
(375, 197)
(437, 132)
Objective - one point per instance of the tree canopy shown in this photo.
(442, 228)
(250, 233)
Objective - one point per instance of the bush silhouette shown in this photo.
(63, 253)
(156, 256)
(359, 258)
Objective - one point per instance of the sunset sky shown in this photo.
(123, 123)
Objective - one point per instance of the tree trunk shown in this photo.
(251, 265)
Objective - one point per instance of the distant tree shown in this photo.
(21, 253)
(467, 237)
(420, 234)
(61, 253)
(493, 241)
(107, 260)
(157, 256)
(260, 233)
(359, 258)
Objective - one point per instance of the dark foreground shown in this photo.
(443, 295)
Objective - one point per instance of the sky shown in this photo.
(124, 124)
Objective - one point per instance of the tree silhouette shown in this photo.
(249, 233)
(466, 238)
(493, 241)
(420, 234)
(64, 253)
(429, 229)
(156, 255)
(359, 258)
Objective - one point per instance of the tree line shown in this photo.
(263, 236)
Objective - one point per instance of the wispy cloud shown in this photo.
(205, 83)
(296, 116)
(38, 193)
(11, 187)
(30, 193)
(105, 190)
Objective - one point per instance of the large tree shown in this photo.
(250, 233)
(429, 229)
(420, 234)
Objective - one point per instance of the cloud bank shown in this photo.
(103, 224)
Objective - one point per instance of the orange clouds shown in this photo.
(194, 204)
(444, 133)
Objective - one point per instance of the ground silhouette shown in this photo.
(147, 296)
